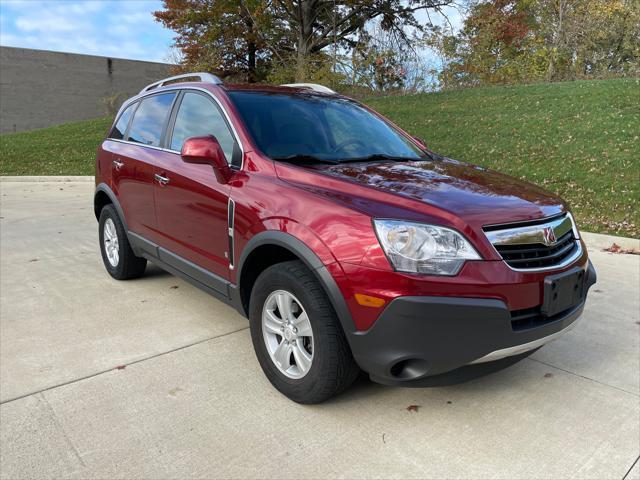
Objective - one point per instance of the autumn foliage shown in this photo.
(522, 41)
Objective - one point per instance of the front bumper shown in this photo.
(418, 338)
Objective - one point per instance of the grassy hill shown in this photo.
(579, 139)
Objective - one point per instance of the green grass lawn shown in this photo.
(578, 139)
(68, 149)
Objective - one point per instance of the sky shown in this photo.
(113, 28)
(110, 28)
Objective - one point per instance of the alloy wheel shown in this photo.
(111, 245)
(287, 334)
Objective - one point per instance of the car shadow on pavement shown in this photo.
(153, 271)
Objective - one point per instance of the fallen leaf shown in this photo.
(615, 248)
(173, 287)
(121, 367)
(413, 408)
(548, 375)
(174, 391)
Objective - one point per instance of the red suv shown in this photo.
(348, 243)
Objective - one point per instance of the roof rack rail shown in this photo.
(311, 86)
(201, 76)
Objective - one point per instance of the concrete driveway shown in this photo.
(154, 379)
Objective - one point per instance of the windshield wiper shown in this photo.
(379, 157)
(304, 158)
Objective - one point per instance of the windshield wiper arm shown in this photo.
(304, 158)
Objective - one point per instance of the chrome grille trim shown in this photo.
(530, 234)
(536, 236)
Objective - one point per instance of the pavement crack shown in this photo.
(630, 468)
(60, 427)
(582, 376)
(120, 367)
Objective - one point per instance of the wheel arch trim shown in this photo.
(104, 188)
(311, 260)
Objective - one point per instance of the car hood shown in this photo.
(479, 195)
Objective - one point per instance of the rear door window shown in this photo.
(199, 116)
(149, 119)
(120, 128)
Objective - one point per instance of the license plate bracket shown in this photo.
(563, 291)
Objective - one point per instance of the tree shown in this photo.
(244, 35)
(236, 38)
(384, 62)
(515, 41)
(496, 45)
(590, 37)
(322, 23)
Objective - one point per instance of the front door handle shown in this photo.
(118, 164)
(161, 180)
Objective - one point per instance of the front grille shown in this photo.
(538, 255)
(540, 244)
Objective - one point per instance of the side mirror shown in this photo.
(206, 151)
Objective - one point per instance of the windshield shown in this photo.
(308, 128)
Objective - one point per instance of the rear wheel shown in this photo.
(297, 336)
(117, 255)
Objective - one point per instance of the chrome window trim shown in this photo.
(534, 234)
(179, 87)
(140, 145)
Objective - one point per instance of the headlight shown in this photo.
(420, 248)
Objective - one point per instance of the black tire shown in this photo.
(128, 265)
(333, 368)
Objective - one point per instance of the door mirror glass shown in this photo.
(206, 151)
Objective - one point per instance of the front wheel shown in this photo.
(297, 336)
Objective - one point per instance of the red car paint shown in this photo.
(329, 209)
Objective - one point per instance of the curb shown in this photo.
(42, 179)
(599, 241)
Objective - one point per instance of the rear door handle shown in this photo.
(161, 180)
(118, 164)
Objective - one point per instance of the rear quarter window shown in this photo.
(120, 128)
(149, 119)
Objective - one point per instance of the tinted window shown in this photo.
(120, 127)
(199, 116)
(149, 119)
(327, 128)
